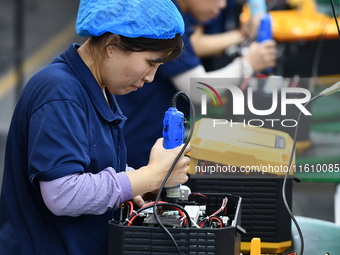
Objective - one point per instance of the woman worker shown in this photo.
(175, 75)
(65, 164)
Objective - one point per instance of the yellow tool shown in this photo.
(255, 246)
(301, 23)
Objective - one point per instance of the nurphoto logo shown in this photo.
(273, 100)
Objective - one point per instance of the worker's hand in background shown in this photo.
(261, 55)
(161, 160)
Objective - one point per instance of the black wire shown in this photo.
(294, 144)
(285, 179)
(193, 116)
(335, 17)
(292, 155)
(317, 57)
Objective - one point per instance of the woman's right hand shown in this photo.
(151, 176)
(161, 160)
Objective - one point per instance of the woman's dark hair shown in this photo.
(174, 46)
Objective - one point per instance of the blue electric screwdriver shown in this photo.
(173, 133)
(265, 32)
(265, 28)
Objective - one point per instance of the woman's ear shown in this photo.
(112, 41)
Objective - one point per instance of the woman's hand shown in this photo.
(261, 55)
(138, 200)
(150, 177)
(161, 160)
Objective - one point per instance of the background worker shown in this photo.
(65, 165)
(176, 76)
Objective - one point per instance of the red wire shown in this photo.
(159, 202)
(202, 223)
(202, 195)
(219, 221)
(131, 207)
(223, 206)
(211, 218)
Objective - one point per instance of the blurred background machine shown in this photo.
(307, 38)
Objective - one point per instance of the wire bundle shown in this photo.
(133, 214)
(213, 217)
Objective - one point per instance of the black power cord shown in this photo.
(335, 17)
(193, 116)
(285, 180)
(326, 92)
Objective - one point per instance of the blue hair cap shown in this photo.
(157, 19)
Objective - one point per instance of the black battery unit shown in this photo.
(250, 162)
(263, 213)
(132, 240)
(308, 58)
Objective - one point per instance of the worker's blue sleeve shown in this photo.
(58, 141)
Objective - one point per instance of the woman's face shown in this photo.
(126, 71)
(204, 10)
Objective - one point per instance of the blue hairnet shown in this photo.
(157, 19)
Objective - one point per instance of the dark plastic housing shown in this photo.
(263, 212)
(136, 240)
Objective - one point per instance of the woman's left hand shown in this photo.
(138, 200)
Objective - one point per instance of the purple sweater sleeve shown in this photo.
(86, 193)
